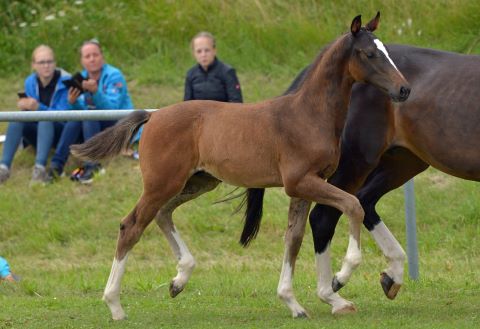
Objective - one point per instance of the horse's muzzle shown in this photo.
(402, 96)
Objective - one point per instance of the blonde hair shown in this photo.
(203, 34)
(40, 48)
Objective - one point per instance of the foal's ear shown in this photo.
(356, 25)
(373, 24)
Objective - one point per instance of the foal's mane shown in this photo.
(328, 56)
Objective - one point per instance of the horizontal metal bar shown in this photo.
(100, 115)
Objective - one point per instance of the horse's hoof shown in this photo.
(345, 309)
(119, 316)
(336, 285)
(174, 290)
(301, 315)
(390, 288)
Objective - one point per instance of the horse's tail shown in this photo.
(112, 140)
(253, 215)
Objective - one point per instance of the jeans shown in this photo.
(72, 133)
(42, 135)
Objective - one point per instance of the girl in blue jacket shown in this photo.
(44, 91)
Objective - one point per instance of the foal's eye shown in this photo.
(370, 54)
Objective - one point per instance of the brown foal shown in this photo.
(290, 141)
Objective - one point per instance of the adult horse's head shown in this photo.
(371, 63)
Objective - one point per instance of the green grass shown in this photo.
(61, 239)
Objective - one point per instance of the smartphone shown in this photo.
(22, 95)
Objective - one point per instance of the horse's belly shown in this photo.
(251, 174)
(460, 166)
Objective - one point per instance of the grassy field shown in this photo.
(61, 238)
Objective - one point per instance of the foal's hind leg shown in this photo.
(297, 218)
(196, 186)
(131, 230)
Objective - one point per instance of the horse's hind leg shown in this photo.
(196, 186)
(396, 167)
(131, 230)
(297, 218)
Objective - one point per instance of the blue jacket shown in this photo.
(59, 99)
(112, 92)
(4, 268)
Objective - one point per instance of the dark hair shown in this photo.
(91, 42)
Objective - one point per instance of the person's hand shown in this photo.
(90, 85)
(27, 104)
(73, 94)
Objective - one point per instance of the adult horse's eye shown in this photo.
(370, 54)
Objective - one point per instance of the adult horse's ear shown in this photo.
(373, 24)
(356, 25)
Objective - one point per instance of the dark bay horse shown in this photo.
(381, 150)
(291, 141)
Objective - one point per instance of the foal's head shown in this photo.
(371, 63)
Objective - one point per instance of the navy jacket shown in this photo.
(218, 83)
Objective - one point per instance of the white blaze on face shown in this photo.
(382, 48)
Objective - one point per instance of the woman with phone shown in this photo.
(44, 91)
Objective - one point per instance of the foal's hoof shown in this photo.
(336, 285)
(174, 290)
(301, 315)
(345, 309)
(390, 288)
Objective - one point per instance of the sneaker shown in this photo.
(76, 173)
(4, 173)
(39, 175)
(54, 173)
(86, 175)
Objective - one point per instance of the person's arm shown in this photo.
(76, 100)
(113, 93)
(234, 92)
(188, 95)
(31, 102)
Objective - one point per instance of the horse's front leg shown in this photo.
(396, 167)
(196, 186)
(297, 218)
(314, 188)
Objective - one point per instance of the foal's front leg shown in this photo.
(297, 218)
(196, 186)
(313, 188)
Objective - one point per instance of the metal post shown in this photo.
(411, 228)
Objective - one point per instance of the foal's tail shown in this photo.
(253, 215)
(112, 140)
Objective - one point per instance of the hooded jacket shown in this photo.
(59, 100)
(112, 92)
